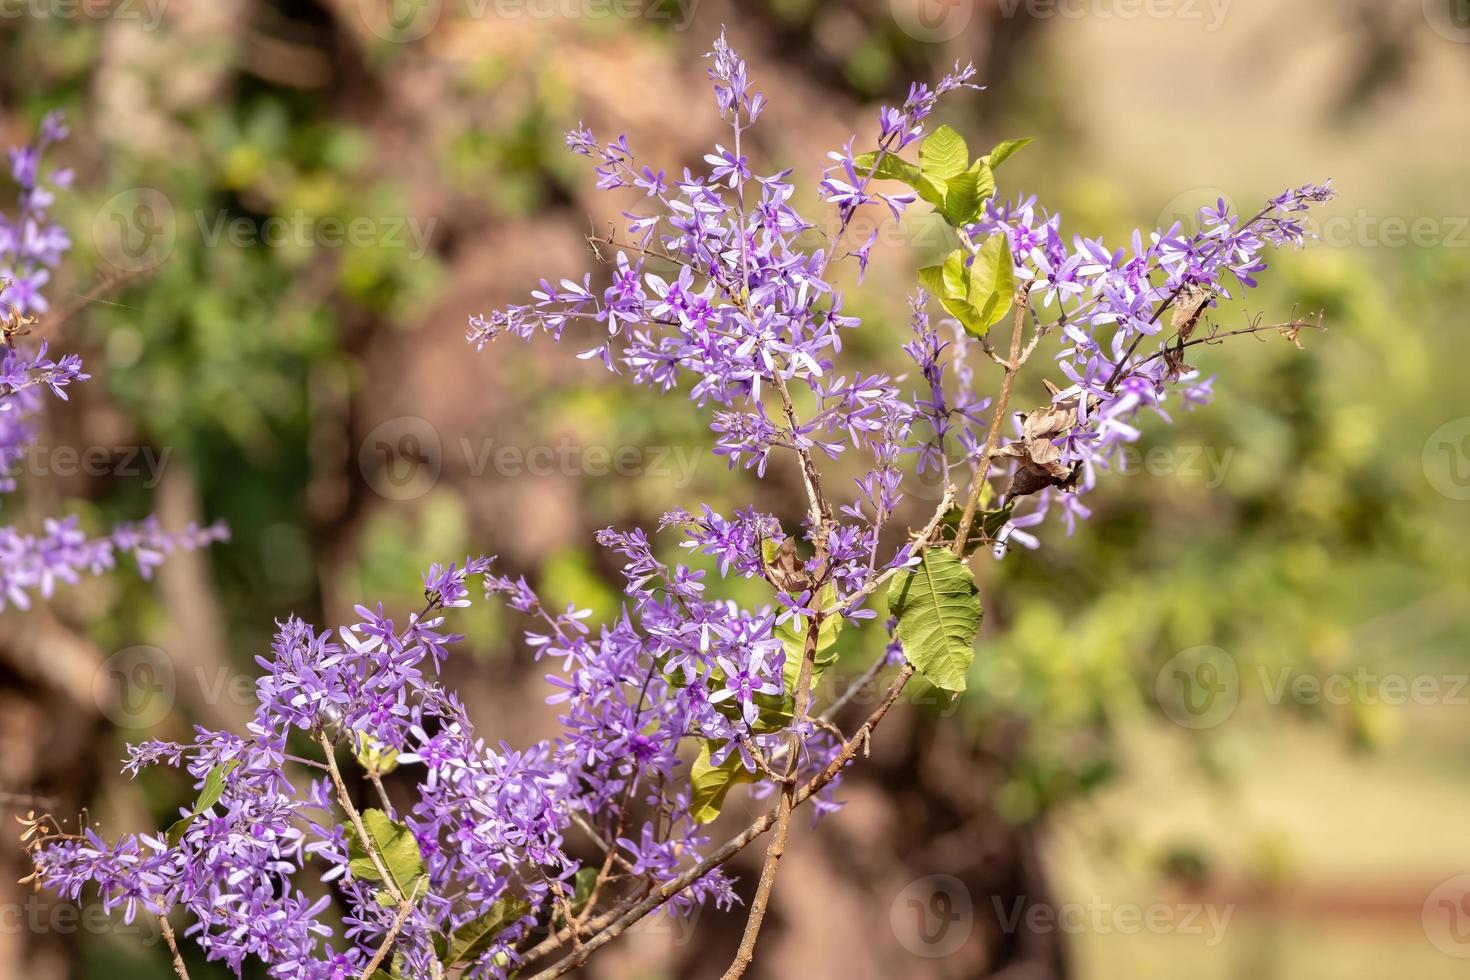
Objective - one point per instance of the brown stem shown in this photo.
(362, 834)
(405, 908)
(735, 844)
(758, 905)
(173, 947)
(992, 438)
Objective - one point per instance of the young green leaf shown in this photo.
(943, 154)
(471, 940)
(713, 783)
(966, 192)
(1005, 151)
(993, 282)
(938, 611)
(892, 167)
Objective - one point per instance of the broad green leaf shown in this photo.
(993, 281)
(929, 187)
(477, 935)
(966, 192)
(792, 634)
(938, 611)
(943, 154)
(396, 847)
(931, 277)
(1004, 151)
(969, 316)
(892, 167)
(713, 783)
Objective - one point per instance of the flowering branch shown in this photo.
(686, 695)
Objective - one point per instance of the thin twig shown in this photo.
(734, 845)
(173, 947)
(405, 909)
(992, 438)
(362, 835)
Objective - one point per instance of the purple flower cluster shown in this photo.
(718, 286)
(31, 245)
(1110, 307)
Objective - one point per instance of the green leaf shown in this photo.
(396, 846)
(892, 167)
(713, 783)
(1004, 151)
(793, 635)
(931, 277)
(213, 789)
(477, 935)
(992, 282)
(943, 154)
(966, 193)
(938, 611)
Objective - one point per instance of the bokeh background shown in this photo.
(1221, 733)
